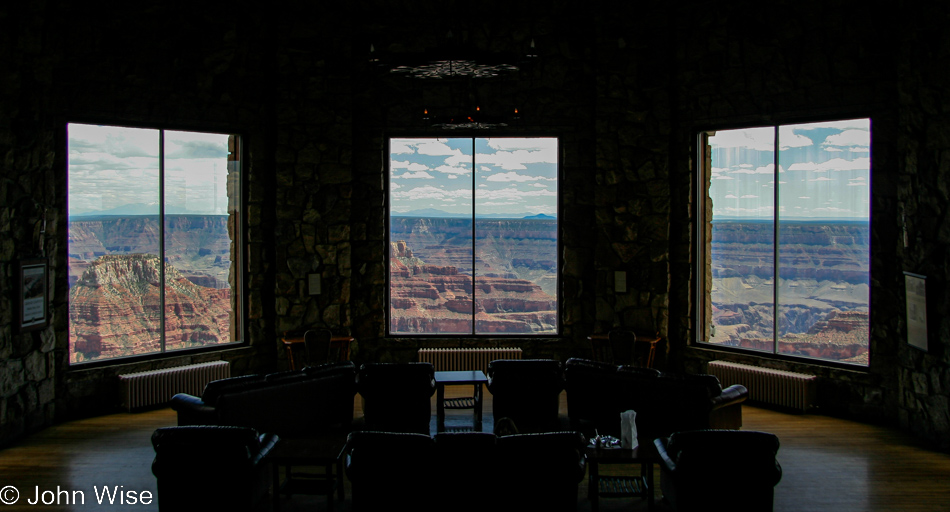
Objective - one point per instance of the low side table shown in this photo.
(618, 486)
(322, 451)
(442, 379)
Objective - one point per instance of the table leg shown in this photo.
(648, 467)
(593, 484)
(440, 408)
(339, 479)
(276, 490)
(478, 407)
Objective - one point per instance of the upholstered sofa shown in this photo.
(300, 403)
(664, 402)
(200, 468)
(465, 471)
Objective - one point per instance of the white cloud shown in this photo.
(860, 124)
(513, 176)
(435, 147)
(512, 194)
(821, 178)
(724, 178)
(409, 166)
(431, 192)
(759, 139)
(749, 196)
(518, 159)
(401, 147)
(415, 176)
(861, 138)
(732, 196)
(514, 143)
(452, 169)
(835, 164)
(787, 138)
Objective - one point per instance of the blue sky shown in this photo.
(514, 176)
(116, 168)
(824, 171)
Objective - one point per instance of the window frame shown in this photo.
(702, 284)
(386, 154)
(240, 246)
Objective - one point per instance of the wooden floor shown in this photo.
(828, 464)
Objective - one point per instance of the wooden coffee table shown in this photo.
(324, 451)
(618, 486)
(442, 379)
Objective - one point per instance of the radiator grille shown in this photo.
(462, 359)
(767, 385)
(142, 389)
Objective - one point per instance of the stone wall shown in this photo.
(554, 94)
(735, 66)
(923, 188)
(28, 369)
(625, 91)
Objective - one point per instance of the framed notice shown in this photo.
(32, 299)
(916, 293)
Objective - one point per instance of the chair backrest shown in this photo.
(317, 346)
(224, 462)
(623, 346)
(527, 391)
(390, 470)
(600, 350)
(709, 461)
(397, 396)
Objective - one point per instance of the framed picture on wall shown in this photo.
(916, 293)
(32, 300)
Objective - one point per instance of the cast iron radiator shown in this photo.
(461, 359)
(767, 385)
(142, 389)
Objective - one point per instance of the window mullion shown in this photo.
(474, 232)
(775, 241)
(161, 237)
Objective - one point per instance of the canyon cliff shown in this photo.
(115, 309)
(432, 288)
(823, 288)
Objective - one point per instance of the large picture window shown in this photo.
(786, 252)
(473, 236)
(154, 241)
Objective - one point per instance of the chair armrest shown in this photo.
(665, 462)
(734, 394)
(268, 442)
(193, 411)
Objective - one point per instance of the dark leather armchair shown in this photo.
(664, 402)
(598, 392)
(719, 470)
(468, 473)
(397, 397)
(540, 471)
(527, 391)
(200, 468)
(390, 470)
(464, 471)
